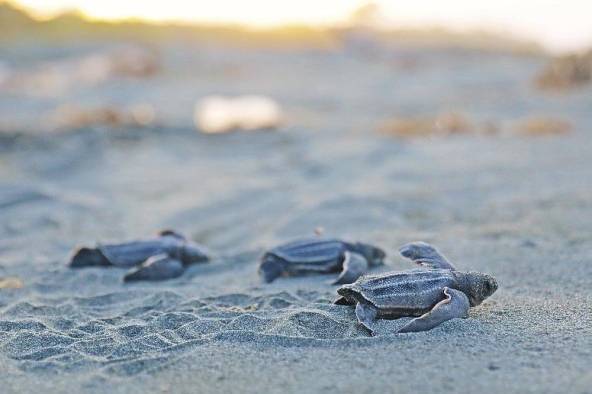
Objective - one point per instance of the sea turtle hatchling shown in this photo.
(164, 257)
(435, 293)
(320, 255)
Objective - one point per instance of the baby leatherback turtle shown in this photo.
(320, 255)
(435, 293)
(163, 257)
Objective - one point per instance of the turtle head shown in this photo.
(373, 254)
(478, 286)
(171, 233)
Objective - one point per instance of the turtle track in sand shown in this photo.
(126, 333)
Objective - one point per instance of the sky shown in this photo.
(559, 25)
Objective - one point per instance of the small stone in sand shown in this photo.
(444, 124)
(11, 283)
(134, 61)
(72, 117)
(54, 78)
(217, 114)
(143, 114)
(566, 72)
(540, 125)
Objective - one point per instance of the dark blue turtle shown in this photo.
(164, 257)
(435, 293)
(320, 255)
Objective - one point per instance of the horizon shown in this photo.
(568, 30)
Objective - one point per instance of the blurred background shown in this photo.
(72, 63)
(383, 114)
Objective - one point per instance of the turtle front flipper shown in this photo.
(271, 267)
(88, 257)
(158, 267)
(425, 254)
(456, 304)
(171, 233)
(366, 315)
(354, 266)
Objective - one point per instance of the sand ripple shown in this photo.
(125, 333)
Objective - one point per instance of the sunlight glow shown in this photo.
(558, 24)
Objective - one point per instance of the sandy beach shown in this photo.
(514, 206)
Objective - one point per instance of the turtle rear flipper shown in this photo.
(158, 267)
(354, 266)
(456, 304)
(88, 257)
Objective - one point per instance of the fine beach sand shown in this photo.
(517, 207)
